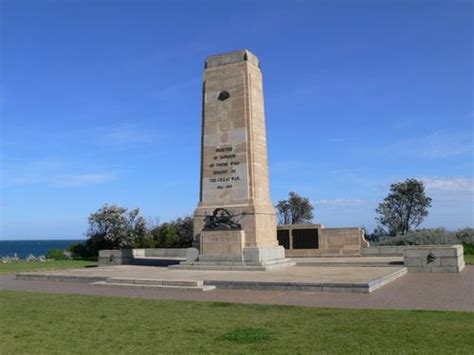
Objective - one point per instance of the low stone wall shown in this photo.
(115, 257)
(127, 256)
(164, 252)
(342, 241)
(434, 258)
(330, 241)
(387, 250)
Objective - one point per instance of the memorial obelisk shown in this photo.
(235, 221)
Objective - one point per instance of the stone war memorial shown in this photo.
(235, 222)
(237, 243)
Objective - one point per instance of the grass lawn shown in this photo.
(469, 259)
(47, 265)
(57, 324)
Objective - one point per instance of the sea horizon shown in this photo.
(38, 239)
(36, 247)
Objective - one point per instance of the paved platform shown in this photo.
(318, 279)
(366, 261)
(348, 261)
(450, 292)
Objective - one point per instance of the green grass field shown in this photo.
(62, 324)
(47, 265)
(469, 259)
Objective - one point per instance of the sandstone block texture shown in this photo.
(131, 256)
(161, 252)
(115, 257)
(342, 241)
(222, 245)
(386, 250)
(434, 258)
(327, 241)
(234, 163)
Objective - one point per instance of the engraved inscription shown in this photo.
(226, 158)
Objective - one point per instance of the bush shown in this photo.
(175, 234)
(184, 229)
(81, 251)
(466, 236)
(468, 249)
(56, 254)
(165, 236)
(113, 227)
(433, 236)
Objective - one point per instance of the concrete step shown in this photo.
(349, 264)
(223, 266)
(344, 287)
(38, 276)
(349, 261)
(202, 288)
(156, 282)
(382, 281)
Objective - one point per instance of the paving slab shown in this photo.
(368, 261)
(321, 279)
(292, 274)
(451, 292)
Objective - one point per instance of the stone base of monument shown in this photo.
(225, 250)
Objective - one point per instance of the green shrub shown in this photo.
(56, 254)
(165, 236)
(468, 249)
(174, 234)
(433, 236)
(82, 251)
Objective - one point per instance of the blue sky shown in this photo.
(101, 101)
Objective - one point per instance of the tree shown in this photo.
(83, 251)
(115, 227)
(164, 236)
(174, 234)
(283, 209)
(295, 210)
(184, 229)
(405, 206)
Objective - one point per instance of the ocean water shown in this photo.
(23, 248)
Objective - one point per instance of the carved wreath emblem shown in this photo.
(221, 219)
(430, 258)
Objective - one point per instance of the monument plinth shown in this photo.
(235, 221)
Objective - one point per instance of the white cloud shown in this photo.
(433, 146)
(449, 184)
(88, 137)
(83, 179)
(53, 172)
(342, 202)
(124, 135)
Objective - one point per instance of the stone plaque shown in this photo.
(222, 245)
